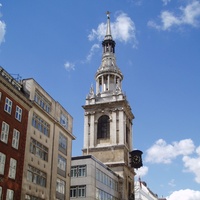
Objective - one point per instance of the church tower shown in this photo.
(108, 118)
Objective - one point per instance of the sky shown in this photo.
(58, 43)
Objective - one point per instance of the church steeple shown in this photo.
(108, 117)
(108, 76)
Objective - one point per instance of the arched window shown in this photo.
(103, 128)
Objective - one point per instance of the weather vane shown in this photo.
(108, 14)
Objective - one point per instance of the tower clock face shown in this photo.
(136, 159)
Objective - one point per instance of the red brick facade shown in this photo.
(18, 99)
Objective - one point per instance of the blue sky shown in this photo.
(58, 43)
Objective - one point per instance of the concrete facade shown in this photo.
(48, 147)
(91, 179)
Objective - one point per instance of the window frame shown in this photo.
(2, 162)
(103, 127)
(39, 150)
(8, 105)
(63, 143)
(12, 168)
(36, 176)
(15, 139)
(60, 186)
(9, 194)
(18, 113)
(4, 132)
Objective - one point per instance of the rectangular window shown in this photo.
(60, 186)
(40, 124)
(18, 113)
(9, 194)
(74, 171)
(78, 171)
(15, 139)
(36, 176)
(78, 191)
(31, 197)
(4, 132)
(8, 105)
(39, 149)
(81, 191)
(2, 162)
(63, 120)
(12, 169)
(42, 101)
(63, 143)
(0, 96)
(62, 163)
(73, 192)
(82, 170)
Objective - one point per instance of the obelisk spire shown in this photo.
(108, 35)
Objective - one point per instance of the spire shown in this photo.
(108, 35)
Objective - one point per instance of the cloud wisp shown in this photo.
(189, 15)
(2, 29)
(69, 66)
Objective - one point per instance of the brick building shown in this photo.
(14, 109)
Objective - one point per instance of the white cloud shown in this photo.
(190, 15)
(123, 30)
(172, 183)
(69, 66)
(2, 29)
(92, 51)
(186, 194)
(161, 152)
(142, 171)
(192, 164)
(165, 2)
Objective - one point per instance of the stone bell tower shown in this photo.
(108, 117)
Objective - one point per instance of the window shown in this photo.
(73, 192)
(40, 124)
(36, 176)
(18, 113)
(8, 105)
(105, 179)
(63, 120)
(2, 162)
(60, 186)
(63, 143)
(9, 194)
(38, 149)
(42, 101)
(82, 170)
(78, 171)
(15, 139)
(12, 169)
(103, 127)
(4, 132)
(0, 100)
(78, 191)
(62, 163)
(30, 197)
(81, 191)
(100, 194)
